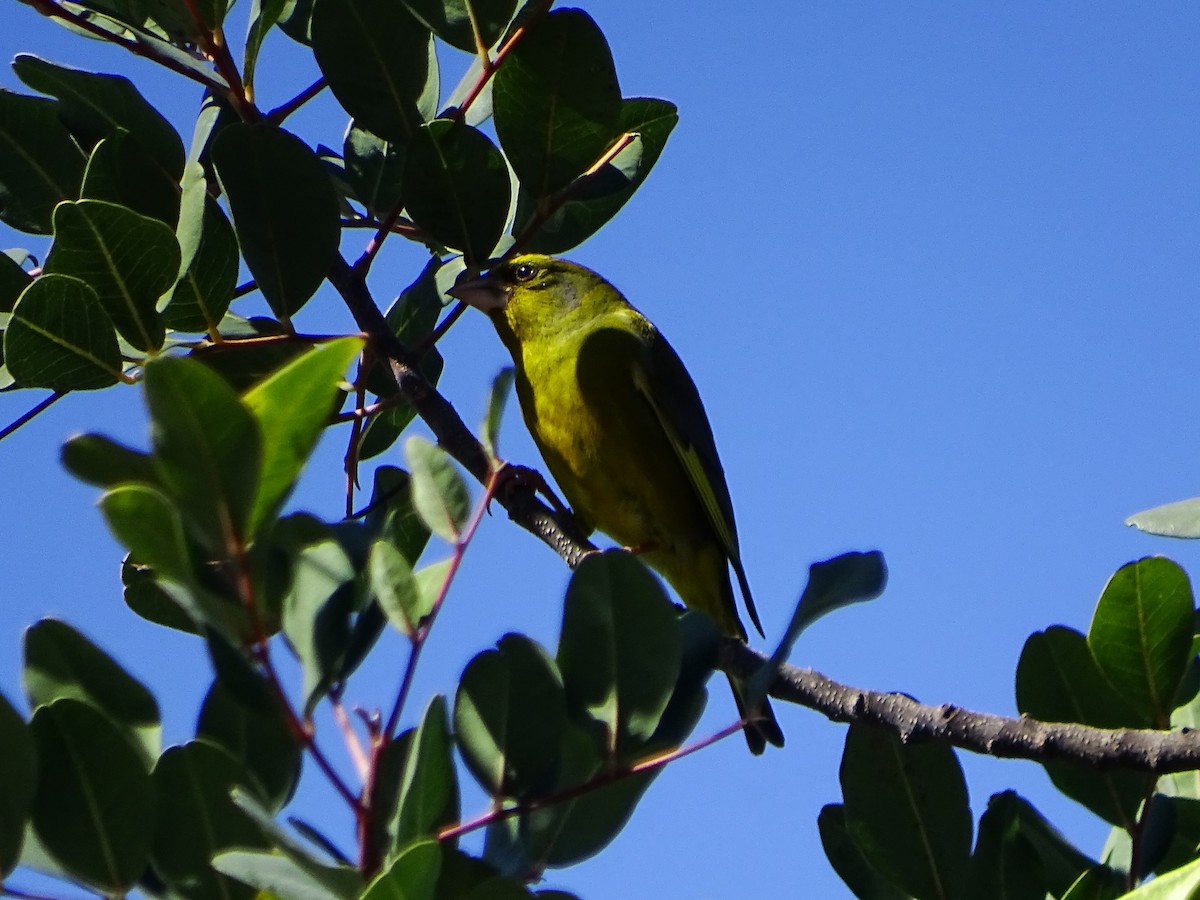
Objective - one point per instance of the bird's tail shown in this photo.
(761, 727)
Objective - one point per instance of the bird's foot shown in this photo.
(510, 476)
(640, 549)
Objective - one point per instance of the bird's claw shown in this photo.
(510, 476)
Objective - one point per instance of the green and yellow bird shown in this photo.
(622, 429)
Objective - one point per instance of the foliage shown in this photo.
(139, 286)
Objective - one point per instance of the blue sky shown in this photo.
(934, 269)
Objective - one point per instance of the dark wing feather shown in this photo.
(666, 384)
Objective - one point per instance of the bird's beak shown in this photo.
(484, 292)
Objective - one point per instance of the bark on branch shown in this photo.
(1156, 752)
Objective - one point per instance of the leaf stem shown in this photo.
(281, 112)
(489, 66)
(33, 413)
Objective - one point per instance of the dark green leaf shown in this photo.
(244, 363)
(95, 106)
(94, 805)
(461, 873)
(1180, 519)
(1141, 634)
(582, 216)
(376, 58)
(509, 716)
(130, 261)
(439, 493)
(60, 662)
(1061, 861)
(1005, 865)
(1186, 835)
(557, 102)
(293, 407)
(412, 876)
(428, 797)
(456, 188)
(1058, 681)
(296, 21)
(285, 211)
(101, 461)
(1095, 884)
(451, 20)
(196, 820)
(563, 834)
(261, 739)
(18, 775)
(40, 165)
(847, 858)
(392, 515)
(850, 578)
(150, 600)
(121, 171)
(206, 447)
(700, 640)
(374, 169)
(209, 260)
(619, 651)
(501, 387)
(13, 280)
(60, 337)
(906, 807)
(239, 674)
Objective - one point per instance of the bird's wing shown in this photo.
(664, 381)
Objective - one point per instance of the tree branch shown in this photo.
(1155, 752)
(520, 500)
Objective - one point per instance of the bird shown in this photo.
(621, 427)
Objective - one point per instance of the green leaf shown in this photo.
(1094, 884)
(147, 523)
(456, 188)
(1182, 884)
(906, 807)
(1058, 681)
(285, 211)
(439, 494)
(850, 578)
(847, 858)
(451, 20)
(147, 598)
(209, 260)
(1005, 865)
(207, 447)
(374, 169)
(99, 460)
(196, 819)
(293, 407)
(1141, 634)
(557, 103)
(376, 57)
(275, 876)
(1180, 519)
(260, 739)
(18, 775)
(60, 662)
(122, 172)
(94, 805)
(338, 881)
(700, 642)
(395, 588)
(497, 399)
(413, 875)
(581, 215)
(1061, 861)
(263, 16)
(428, 796)
(128, 260)
(316, 612)
(392, 515)
(619, 651)
(40, 165)
(60, 337)
(509, 716)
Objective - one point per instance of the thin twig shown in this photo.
(281, 112)
(489, 66)
(32, 413)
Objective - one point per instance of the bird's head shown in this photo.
(533, 295)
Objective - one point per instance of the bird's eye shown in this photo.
(524, 272)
